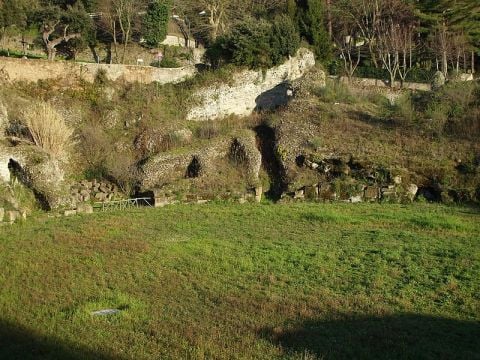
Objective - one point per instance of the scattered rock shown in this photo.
(299, 194)
(2, 214)
(372, 193)
(70, 212)
(258, 194)
(412, 191)
(105, 312)
(84, 209)
(183, 135)
(355, 199)
(397, 180)
(101, 196)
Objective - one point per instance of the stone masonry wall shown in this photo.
(33, 70)
(250, 90)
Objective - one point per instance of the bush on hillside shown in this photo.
(285, 39)
(47, 129)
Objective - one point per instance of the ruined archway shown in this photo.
(194, 168)
(18, 174)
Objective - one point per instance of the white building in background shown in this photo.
(178, 34)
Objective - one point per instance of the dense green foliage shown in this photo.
(429, 36)
(311, 21)
(155, 22)
(256, 43)
(253, 281)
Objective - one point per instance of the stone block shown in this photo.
(163, 201)
(371, 193)
(299, 194)
(101, 196)
(70, 212)
(412, 190)
(355, 199)
(258, 194)
(85, 209)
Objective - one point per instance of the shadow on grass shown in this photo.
(383, 123)
(400, 337)
(17, 342)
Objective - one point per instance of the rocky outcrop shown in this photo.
(38, 171)
(164, 168)
(251, 90)
(244, 152)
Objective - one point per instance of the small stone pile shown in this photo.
(97, 191)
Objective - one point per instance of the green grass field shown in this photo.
(223, 281)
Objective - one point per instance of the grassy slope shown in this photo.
(223, 281)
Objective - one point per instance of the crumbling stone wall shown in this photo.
(33, 70)
(251, 90)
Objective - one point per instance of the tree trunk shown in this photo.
(51, 52)
(392, 80)
(473, 62)
(329, 18)
(444, 63)
(115, 44)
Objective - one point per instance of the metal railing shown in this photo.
(124, 204)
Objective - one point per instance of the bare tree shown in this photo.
(210, 17)
(119, 17)
(458, 49)
(349, 48)
(213, 18)
(388, 48)
(368, 16)
(405, 39)
(441, 46)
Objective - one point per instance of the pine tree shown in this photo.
(311, 21)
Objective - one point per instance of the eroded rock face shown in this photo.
(38, 171)
(163, 168)
(243, 151)
(251, 90)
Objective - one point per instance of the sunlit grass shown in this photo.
(242, 281)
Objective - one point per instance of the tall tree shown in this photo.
(155, 22)
(311, 15)
(59, 26)
(119, 18)
(15, 14)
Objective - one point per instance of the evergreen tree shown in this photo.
(155, 23)
(311, 22)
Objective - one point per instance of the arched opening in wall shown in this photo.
(266, 142)
(16, 171)
(194, 168)
(17, 175)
